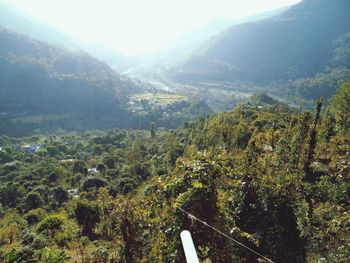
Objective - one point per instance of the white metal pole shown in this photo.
(188, 245)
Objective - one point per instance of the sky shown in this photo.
(138, 27)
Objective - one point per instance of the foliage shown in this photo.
(33, 200)
(340, 106)
(273, 178)
(87, 215)
(51, 255)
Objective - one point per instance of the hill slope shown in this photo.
(46, 84)
(192, 40)
(299, 43)
(276, 180)
(14, 19)
(44, 88)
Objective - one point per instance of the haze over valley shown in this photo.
(223, 60)
(155, 69)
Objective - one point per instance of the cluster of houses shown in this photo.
(33, 148)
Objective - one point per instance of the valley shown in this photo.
(123, 123)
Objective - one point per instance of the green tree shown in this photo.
(152, 128)
(34, 216)
(51, 225)
(33, 200)
(129, 224)
(199, 199)
(312, 141)
(109, 161)
(60, 195)
(101, 168)
(5, 157)
(93, 182)
(88, 215)
(100, 255)
(51, 255)
(11, 194)
(340, 105)
(52, 150)
(79, 167)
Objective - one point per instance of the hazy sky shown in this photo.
(138, 26)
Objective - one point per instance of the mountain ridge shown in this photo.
(295, 44)
(38, 78)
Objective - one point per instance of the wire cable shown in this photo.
(225, 235)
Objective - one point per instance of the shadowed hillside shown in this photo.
(307, 39)
(57, 87)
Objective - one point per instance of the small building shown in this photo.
(30, 148)
(11, 164)
(268, 148)
(92, 171)
(74, 193)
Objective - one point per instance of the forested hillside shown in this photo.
(186, 44)
(61, 88)
(304, 51)
(45, 88)
(275, 179)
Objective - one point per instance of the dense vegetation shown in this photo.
(305, 50)
(44, 88)
(77, 187)
(71, 90)
(166, 109)
(271, 177)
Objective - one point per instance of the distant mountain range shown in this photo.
(308, 39)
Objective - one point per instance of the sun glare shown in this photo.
(137, 27)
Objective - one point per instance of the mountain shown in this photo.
(16, 20)
(13, 19)
(183, 46)
(47, 85)
(116, 60)
(307, 39)
(190, 41)
(44, 87)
